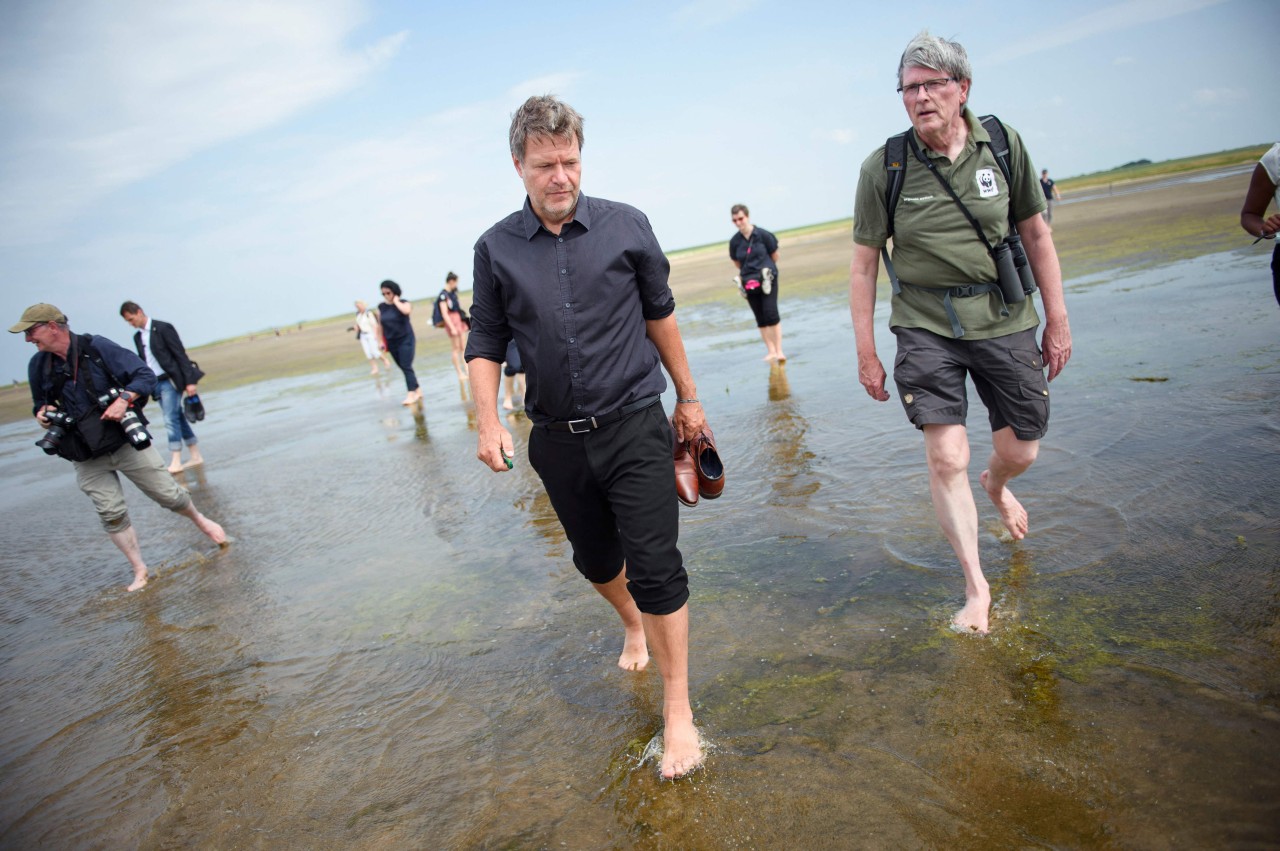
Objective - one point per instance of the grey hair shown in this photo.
(544, 115)
(931, 51)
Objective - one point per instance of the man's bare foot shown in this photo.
(506, 404)
(781, 358)
(681, 747)
(1011, 511)
(195, 460)
(175, 468)
(374, 371)
(139, 582)
(770, 357)
(973, 618)
(212, 530)
(635, 651)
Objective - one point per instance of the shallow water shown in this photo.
(396, 652)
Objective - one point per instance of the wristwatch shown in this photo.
(128, 396)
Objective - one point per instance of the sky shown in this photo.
(234, 165)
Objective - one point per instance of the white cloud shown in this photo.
(1217, 97)
(839, 135)
(1120, 16)
(101, 96)
(703, 14)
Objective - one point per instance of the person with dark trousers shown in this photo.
(397, 330)
(71, 376)
(159, 345)
(754, 251)
(581, 284)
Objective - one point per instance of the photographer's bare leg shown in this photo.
(681, 749)
(947, 451)
(635, 651)
(1010, 458)
(126, 540)
(204, 524)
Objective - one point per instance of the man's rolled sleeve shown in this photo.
(653, 275)
(490, 332)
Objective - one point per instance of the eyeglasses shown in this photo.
(928, 86)
(739, 218)
(34, 327)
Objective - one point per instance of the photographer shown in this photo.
(84, 390)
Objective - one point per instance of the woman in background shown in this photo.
(398, 331)
(755, 252)
(369, 333)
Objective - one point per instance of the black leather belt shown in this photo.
(592, 423)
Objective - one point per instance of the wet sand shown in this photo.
(397, 652)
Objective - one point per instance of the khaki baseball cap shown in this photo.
(35, 314)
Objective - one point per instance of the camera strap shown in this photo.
(929, 164)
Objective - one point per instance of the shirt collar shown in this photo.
(530, 223)
(977, 133)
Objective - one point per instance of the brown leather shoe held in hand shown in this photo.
(707, 464)
(686, 477)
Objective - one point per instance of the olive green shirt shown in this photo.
(935, 246)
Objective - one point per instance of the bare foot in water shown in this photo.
(972, 619)
(139, 582)
(213, 530)
(635, 651)
(681, 748)
(1011, 511)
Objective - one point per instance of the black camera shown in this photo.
(134, 431)
(59, 422)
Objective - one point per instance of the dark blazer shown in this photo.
(167, 348)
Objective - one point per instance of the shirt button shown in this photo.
(573, 339)
(564, 271)
(561, 239)
(568, 304)
(579, 407)
(575, 375)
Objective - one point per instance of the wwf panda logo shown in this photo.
(987, 186)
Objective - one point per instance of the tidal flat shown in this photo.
(396, 652)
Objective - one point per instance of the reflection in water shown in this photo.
(419, 421)
(397, 652)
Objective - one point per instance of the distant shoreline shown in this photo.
(1159, 225)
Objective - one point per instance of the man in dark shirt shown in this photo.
(581, 285)
(70, 372)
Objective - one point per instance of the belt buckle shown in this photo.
(587, 425)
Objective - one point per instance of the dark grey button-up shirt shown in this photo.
(576, 305)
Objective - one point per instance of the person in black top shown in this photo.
(1051, 195)
(453, 320)
(581, 285)
(397, 330)
(68, 376)
(755, 252)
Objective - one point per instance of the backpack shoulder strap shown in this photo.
(1000, 147)
(999, 143)
(895, 161)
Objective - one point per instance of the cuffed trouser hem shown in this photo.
(99, 478)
